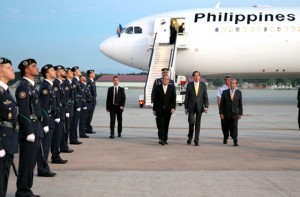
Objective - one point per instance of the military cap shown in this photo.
(75, 68)
(67, 69)
(3, 60)
(26, 63)
(164, 69)
(227, 76)
(58, 67)
(90, 71)
(45, 69)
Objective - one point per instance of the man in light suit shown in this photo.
(115, 104)
(164, 105)
(196, 102)
(231, 110)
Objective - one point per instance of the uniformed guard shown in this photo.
(92, 86)
(30, 121)
(8, 124)
(66, 85)
(86, 106)
(77, 106)
(60, 115)
(48, 104)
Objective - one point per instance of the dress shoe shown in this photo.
(189, 141)
(67, 151)
(60, 161)
(166, 142)
(224, 141)
(119, 135)
(76, 143)
(161, 142)
(47, 174)
(35, 195)
(111, 136)
(235, 144)
(196, 143)
(84, 136)
(90, 132)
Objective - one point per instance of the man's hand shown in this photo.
(57, 120)
(78, 109)
(67, 115)
(2, 153)
(205, 110)
(84, 108)
(186, 111)
(30, 138)
(46, 129)
(154, 113)
(222, 116)
(172, 111)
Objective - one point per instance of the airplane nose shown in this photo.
(104, 47)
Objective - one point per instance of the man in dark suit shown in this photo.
(231, 110)
(115, 103)
(196, 102)
(91, 84)
(298, 97)
(164, 105)
(8, 121)
(86, 106)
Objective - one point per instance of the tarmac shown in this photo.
(266, 162)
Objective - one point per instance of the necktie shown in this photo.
(232, 94)
(196, 88)
(116, 96)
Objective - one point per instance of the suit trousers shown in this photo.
(83, 122)
(225, 129)
(5, 164)
(194, 123)
(299, 118)
(42, 159)
(65, 134)
(163, 122)
(89, 127)
(27, 160)
(231, 124)
(56, 140)
(113, 113)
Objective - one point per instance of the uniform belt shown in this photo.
(35, 118)
(7, 124)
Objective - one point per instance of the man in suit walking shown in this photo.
(231, 110)
(115, 104)
(196, 102)
(164, 105)
(298, 97)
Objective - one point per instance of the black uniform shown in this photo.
(8, 136)
(69, 95)
(77, 105)
(92, 87)
(48, 104)
(86, 107)
(59, 127)
(30, 120)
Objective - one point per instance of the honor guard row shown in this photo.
(47, 117)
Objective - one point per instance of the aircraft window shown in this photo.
(138, 30)
(265, 29)
(285, 29)
(129, 30)
(223, 29)
(293, 29)
(298, 29)
(272, 29)
(279, 29)
(258, 29)
(244, 29)
(217, 29)
(237, 29)
(251, 29)
(230, 29)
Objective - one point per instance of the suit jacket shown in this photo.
(164, 102)
(121, 98)
(191, 99)
(231, 109)
(158, 82)
(298, 97)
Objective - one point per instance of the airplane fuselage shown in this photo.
(241, 41)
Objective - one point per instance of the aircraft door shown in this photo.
(162, 28)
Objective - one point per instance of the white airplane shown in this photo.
(259, 41)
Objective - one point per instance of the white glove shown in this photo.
(57, 120)
(84, 108)
(46, 129)
(67, 115)
(30, 138)
(78, 109)
(2, 153)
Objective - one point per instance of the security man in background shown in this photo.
(86, 106)
(48, 104)
(66, 85)
(8, 121)
(31, 131)
(77, 106)
(91, 84)
(60, 115)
